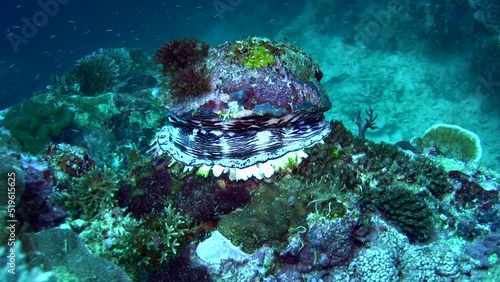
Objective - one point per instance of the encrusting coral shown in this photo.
(151, 242)
(94, 191)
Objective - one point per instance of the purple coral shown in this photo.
(36, 207)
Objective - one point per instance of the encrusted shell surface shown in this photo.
(287, 84)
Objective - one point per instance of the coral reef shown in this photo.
(266, 220)
(74, 162)
(368, 164)
(324, 244)
(37, 210)
(93, 192)
(345, 209)
(484, 249)
(368, 124)
(35, 124)
(469, 193)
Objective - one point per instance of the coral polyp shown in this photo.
(254, 120)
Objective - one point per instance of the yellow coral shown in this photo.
(259, 57)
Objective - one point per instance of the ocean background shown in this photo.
(415, 63)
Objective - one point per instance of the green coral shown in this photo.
(452, 141)
(94, 192)
(400, 205)
(35, 124)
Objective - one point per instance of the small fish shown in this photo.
(11, 66)
(52, 36)
(71, 21)
(86, 32)
(109, 30)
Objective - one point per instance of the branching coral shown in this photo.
(151, 242)
(161, 236)
(369, 122)
(94, 191)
